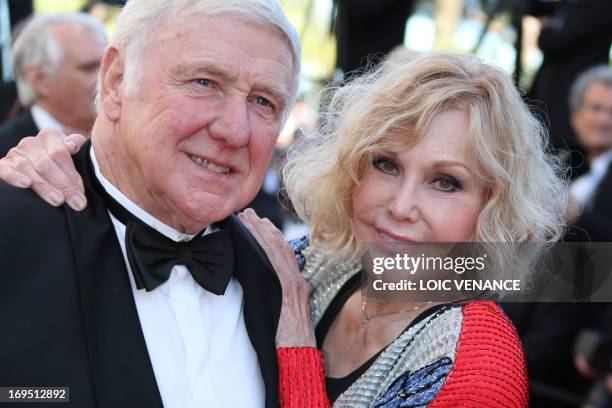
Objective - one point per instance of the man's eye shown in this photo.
(447, 184)
(385, 164)
(262, 101)
(203, 81)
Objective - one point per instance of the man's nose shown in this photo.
(232, 124)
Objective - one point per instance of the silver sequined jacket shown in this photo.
(412, 370)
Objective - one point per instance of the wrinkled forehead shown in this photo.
(598, 92)
(227, 25)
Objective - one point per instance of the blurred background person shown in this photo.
(56, 59)
(575, 35)
(366, 31)
(12, 13)
(590, 105)
(549, 330)
(591, 214)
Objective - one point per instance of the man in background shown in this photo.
(549, 330)
(56, 59)
(591, 118)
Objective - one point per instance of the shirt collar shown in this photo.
(43, 119)
(138, 212)
(600, 164)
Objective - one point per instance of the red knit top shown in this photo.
(489, 367)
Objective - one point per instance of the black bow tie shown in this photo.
(151, 255)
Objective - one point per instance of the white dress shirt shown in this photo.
(197, 341)
(583, 188)
(43, 119)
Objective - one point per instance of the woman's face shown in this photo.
(428, 193)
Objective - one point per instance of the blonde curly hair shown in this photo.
(390, 108)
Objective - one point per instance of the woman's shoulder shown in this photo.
(489, 367)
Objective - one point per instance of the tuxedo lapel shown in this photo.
(603, 197)
(122, 371)
(262, 302)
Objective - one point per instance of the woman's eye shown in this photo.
(385, 164)
(448, 184)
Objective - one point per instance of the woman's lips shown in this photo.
(393, 242)
(394, 237)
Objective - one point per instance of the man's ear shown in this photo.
(111, 80)
(39, 81)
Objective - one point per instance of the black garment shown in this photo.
(595, 223)
(19, 11)
(152, 255)
(268, 206)
(548, 332)
(9, 105)
(336, 386)
(580, 42)
(67, 308)
(15, 130)
(368, 29)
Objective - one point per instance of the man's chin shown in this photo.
(196, 217)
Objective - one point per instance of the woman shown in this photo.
(435, 148)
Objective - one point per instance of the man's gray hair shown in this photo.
(600, 73)
(37, 47)
(140, 18)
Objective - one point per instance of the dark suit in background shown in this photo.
(549, 330)
(596, 221)
(368, 29)
(580, 41)
(15, 130)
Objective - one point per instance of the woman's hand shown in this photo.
(294, 327)
(44, 164)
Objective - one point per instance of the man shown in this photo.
(56, 59)
(591, 193)
(591, 119)
(575, 37)
(549, 330)
(155, 294)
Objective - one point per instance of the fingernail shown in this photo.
(76, 203)
(71, 146)
(54, 198)
(21, 183)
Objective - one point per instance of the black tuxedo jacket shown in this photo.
(16, 129)
(595, 224)
(67, 311)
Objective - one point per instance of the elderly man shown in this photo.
(591, 118)
(549, 330)
(56, 59)
(155, 294)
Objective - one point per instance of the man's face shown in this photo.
(592, 121)
(199, 133)
(71, 89)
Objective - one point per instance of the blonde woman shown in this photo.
(433, 148)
